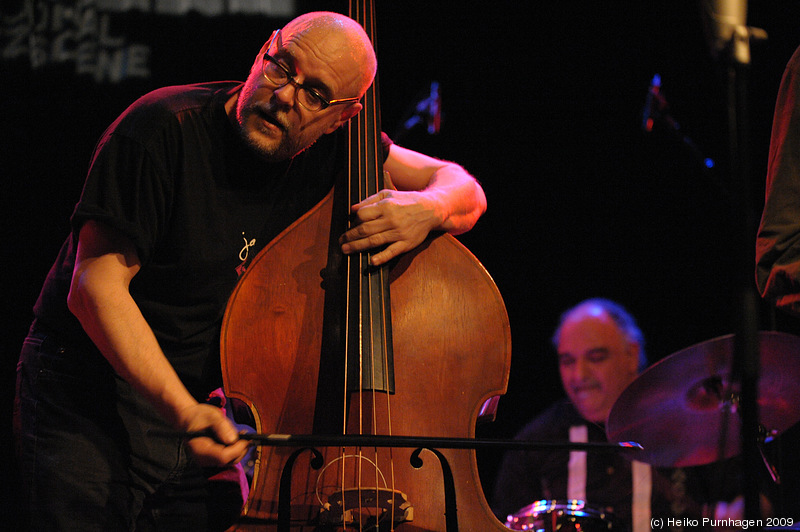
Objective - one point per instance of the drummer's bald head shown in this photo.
(618, 314)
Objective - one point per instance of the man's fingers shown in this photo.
(382, 257)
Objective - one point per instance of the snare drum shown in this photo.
(561, 516)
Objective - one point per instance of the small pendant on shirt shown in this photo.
(244, 254)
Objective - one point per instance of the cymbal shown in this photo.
(676, 409)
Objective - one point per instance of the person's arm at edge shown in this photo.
(106, 263)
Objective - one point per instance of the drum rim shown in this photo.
(577, 508)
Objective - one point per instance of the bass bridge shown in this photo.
(367, 509)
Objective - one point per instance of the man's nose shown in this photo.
(286, 94)
(582, 369)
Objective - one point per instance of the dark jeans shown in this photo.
(87, 460)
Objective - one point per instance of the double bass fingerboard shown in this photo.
(370, 363)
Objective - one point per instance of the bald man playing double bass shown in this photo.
(184, 189)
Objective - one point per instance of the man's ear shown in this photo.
(349, 111)
(633, 356)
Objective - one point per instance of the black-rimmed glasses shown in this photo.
(279, 75)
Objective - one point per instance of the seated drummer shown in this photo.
(600, 351)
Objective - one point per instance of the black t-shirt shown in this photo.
(172, 174)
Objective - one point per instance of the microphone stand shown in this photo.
(745, 364)
(746, 353)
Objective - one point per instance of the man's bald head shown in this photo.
(340, 34)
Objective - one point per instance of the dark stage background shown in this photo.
(541, 101)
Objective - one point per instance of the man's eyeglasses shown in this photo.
(279, 75)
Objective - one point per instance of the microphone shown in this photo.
(647, 113)
(434, 109)
(722, 17)
(655, 108)
(726, 29)
(429, 109)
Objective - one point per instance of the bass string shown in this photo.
(370, 180)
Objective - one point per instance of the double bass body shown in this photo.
(284, 354)
(315, 344)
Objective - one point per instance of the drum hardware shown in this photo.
(561, 516)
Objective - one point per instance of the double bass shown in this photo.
(317, 343)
